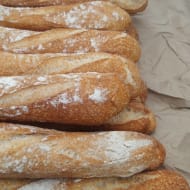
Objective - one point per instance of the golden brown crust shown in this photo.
(139, 6)
(87, 15)
(132, 6)
(154, 180)
(166, 180)
(14, 184)
(45, 64)
(132, 31)
(135, 117)
(27, 152)
(69, 41)
(83, 99)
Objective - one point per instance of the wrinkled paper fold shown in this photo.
(164, 31)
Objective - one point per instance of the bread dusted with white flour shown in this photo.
(83, 99)
(45, 64)
(87, 15)
(39, 153)
(69, 41)
(72, 67)
(132, 6)
(150, 180)
(135, 117)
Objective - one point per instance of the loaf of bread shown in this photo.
(45, 64)
(150, 180)
(29, 152)
(135, 117)
(83, 98)
(88, 15)
(69, 41)
(132, 6)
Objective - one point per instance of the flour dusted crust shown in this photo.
(45, 64)
(28, 151)
(82, 99)
(150, 180)
(132, 6)
(69, 41)
(87, 15)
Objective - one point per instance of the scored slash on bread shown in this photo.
(134, 117)
(69, 41)
(81, 98)
(88, 15)
(150, 180)
(30, 151)
(48, 64)
(132, 6)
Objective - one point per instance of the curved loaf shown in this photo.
(135, 117)
(132, 6)
(30, 151)
(45, 64)
(88, 15)
(82, 99)
(151, 180)
(69, 41)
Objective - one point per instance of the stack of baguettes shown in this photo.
(70, 65)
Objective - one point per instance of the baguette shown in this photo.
(135, 117)
(28, 151)
(69, 41)
(151, 180)
(45, 64)
(88, 15)
(132, 6)
(82, 99)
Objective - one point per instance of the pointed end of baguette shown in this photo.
(135, 117)
(135, 6)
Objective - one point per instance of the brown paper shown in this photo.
(164, 30)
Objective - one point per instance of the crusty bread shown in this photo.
(132, 31)
(135, 117)
(150, 180)
(69, 41)
(83, 98)
(131, 118)
(40, 153)
(132, 6)
(45, 64)
(88, 15)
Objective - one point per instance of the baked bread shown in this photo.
(150, 180)
(69, 41)
(81, 98)
(132, 6)
(88, 15)
(135, 117)
(29, 152)
(45, 64)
